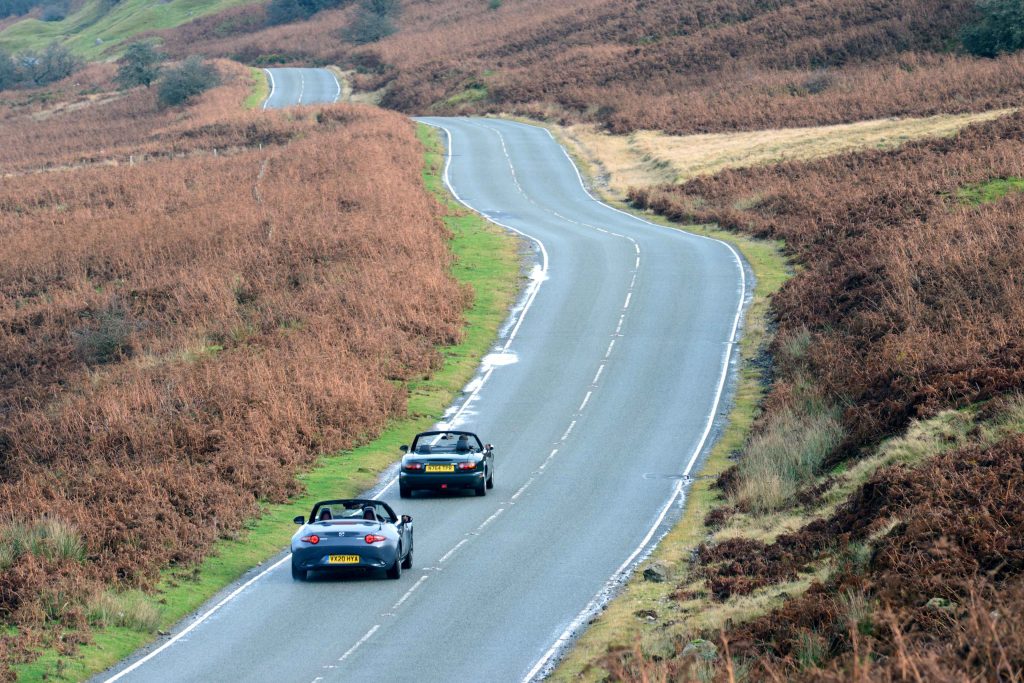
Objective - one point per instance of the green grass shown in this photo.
(260, 89)
(487, 259)
(990, 191)
(111, 24)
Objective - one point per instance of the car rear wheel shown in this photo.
(490, 480)
(481, 488)
(395, 572)
(407, 562)
(404, 491)
(298, 574)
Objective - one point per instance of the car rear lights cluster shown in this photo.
(467, 465)
(414, 466)
(375, 538)
(314, 539)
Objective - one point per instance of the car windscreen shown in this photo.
(342, 511)
(447, 443)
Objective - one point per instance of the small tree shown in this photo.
(181, 84)
(9, 75)
(52, 64)
(373, 21)
(140, 65)
(1000, 30)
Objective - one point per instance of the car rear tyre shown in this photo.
(490, 481)
(395, 572)
(407, 562)
(298, 574)
(404, 491)
(481, 488)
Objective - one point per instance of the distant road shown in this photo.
(289, 87)
(603, 392)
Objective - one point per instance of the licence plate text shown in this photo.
(343, 559)
(440, 468)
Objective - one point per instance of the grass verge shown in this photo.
(487, 260)
(260, 89)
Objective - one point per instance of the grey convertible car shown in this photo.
(443, 460)
(352, 533)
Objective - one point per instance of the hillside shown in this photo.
(679, 67)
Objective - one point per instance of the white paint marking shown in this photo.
(200, 619)
(409, 592)
(490, 519)
(451, 552)
(271, 94)
(369, 634)
(628, 297)
(521, 489)
(568, 431)
(600, 369)
(611, 345)
(302, 86)
(637, 264)
(586, 399)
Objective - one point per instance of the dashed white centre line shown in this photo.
(611, 345)
(369, 634)
(586, 399)
(628, 297)
(600, 369)
(490, 519)
(409, 592)
(521, 489)
(569, 430)
(452, 551)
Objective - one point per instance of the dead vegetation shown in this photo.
(181, 336)
(906, 562)
(709, 66)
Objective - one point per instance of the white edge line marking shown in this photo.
(677, 489)
(337, 84)
(203, 617)
(369, 634)
(271, 93)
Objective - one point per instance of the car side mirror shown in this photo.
(406, 519)
(299, 520)
(404, 448)
(488, 447)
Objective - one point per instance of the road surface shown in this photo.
(607, 384)
(291, 86)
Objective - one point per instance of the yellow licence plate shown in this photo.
(343, 559)
(440, 468)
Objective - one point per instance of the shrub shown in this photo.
(52, 64)
(140, 65)
(286, 11)
(181, 84)
(49, 538)
(373, 21)
(105, 338)
(1000, 29)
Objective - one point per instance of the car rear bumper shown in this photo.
(457, 480)
(320, 558)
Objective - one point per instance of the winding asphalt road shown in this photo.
(605, 388)
(289, 87)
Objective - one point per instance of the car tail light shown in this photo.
(414, 466)
(467, 465)
(375, 538)
(314, 539)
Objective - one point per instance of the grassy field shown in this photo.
(98, 29)
(646, 158)
(488, 261)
